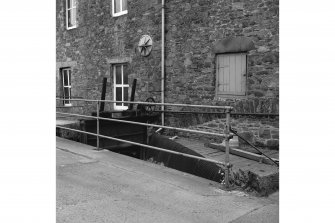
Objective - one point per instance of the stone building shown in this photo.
(217, 52)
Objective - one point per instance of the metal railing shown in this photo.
(241, 137)
(226, 135)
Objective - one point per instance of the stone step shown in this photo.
(247, 174)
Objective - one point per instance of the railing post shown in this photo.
(227, 138)
(98, 127)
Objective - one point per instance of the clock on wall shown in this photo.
(145, 45)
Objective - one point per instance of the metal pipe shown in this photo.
(153, 103)
(218, 113)
(199, 112)
(151, 125)
(71, 114)
(235, 132)
(98, 129)
(147, 146)
(227, 134)
(73, 106)
(163, 61)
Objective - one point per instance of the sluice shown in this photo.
(199, 168)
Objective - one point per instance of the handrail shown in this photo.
(226, 133)
(229, 108)
(235, 132)
(216, 113)
(144, 124)
(144, 145)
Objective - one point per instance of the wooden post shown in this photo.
(103, 94)
(132, 96)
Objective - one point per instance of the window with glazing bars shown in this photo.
(66, 85)
(71, 14)
(121, 86)
(119, 7)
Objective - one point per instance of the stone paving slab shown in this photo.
(262, 177)
(217, 155)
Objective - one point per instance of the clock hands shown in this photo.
(147, 42)
(145, 46)
(142, 47)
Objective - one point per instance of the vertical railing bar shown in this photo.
(227, 137)
(98, 127)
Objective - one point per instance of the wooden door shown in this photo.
(231, 74)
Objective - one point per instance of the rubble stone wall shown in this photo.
(260, 131)
(192, 27)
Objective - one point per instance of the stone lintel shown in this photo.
(119, 60)
(233, 45)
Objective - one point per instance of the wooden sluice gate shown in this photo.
(130, 132)
(113, 128)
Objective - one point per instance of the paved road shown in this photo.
(100, 186)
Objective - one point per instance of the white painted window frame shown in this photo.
(68, 86)
(231, 94)
(73, 7)
(122, 85)
(122, 12)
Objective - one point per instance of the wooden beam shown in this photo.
(242, 153)
(132, 95)
(103, 94)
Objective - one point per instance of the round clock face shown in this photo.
(145, 45)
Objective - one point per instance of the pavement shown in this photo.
(102, 186)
